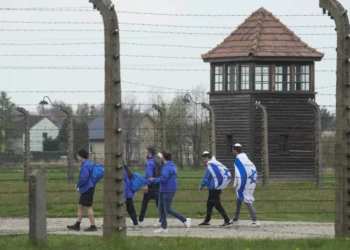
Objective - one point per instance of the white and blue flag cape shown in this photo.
(221, 175)
(246, 178)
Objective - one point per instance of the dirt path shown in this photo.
(268, 229)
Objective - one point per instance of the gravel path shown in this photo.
(268, 229)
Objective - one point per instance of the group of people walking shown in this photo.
(160, 185)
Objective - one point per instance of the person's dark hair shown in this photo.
(83, 153)
(207, 155)
(238, 149)
(128, 171)
(152, 150)
(166, 155)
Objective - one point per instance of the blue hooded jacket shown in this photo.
(167, 179)
(128, 193)
(84, 183)
(150, 168)
(208, 181)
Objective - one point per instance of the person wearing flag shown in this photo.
(246, 178)
(216, 178)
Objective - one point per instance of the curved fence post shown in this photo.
(265, 146)
(27, 160)
(162, 121)
(114, 201)
(319, 154)
(342, 138)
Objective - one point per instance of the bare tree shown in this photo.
(83, 112)
(176, 126)
(198, 126)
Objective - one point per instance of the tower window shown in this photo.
(283, 144)
(302, 77)
(218, 78)
(45, 135)
(245, 77)
(262, 77)
(282, 78)
(232, 77)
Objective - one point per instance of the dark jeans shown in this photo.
(151, 195)
(165, 202)
(131, 211)
(214, 201)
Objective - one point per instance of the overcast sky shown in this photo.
(78, 82)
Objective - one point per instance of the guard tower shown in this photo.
(263, 60)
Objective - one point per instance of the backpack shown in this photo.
(136, 182)
(157, 168)
(97, 173)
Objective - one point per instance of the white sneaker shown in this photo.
(141, 224)
(187, 223)
(161, 231)
(235, 223)
(136, 228)
(255, 224)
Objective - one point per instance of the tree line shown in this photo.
(186, 124)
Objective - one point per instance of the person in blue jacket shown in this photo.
(214, 195)
(168, 187)
(151, 190)
(129, 194)
(86, 189)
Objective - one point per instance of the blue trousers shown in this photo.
(164, 207)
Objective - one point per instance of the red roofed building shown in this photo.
(263, 60)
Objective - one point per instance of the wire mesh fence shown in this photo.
(290, 205)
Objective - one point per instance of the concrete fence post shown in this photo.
(265, 146)
(70, 144)
(27, 164)
(212, 135)
(113, 201)
(342, 137)
(37, 208)
(319, 153)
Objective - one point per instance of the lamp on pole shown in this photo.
(212, 137)
(70, 137)
(162, 121)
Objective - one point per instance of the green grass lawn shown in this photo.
(280, 202)
(139, 243)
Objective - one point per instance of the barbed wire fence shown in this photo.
(187, 136)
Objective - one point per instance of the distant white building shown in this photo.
(40, 128)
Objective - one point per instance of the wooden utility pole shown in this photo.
(265, 146)
(162, 121)
(26, 167)
(212, 135)
(342, 139)
(70, 144)
(114, 214)
(319, 153)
